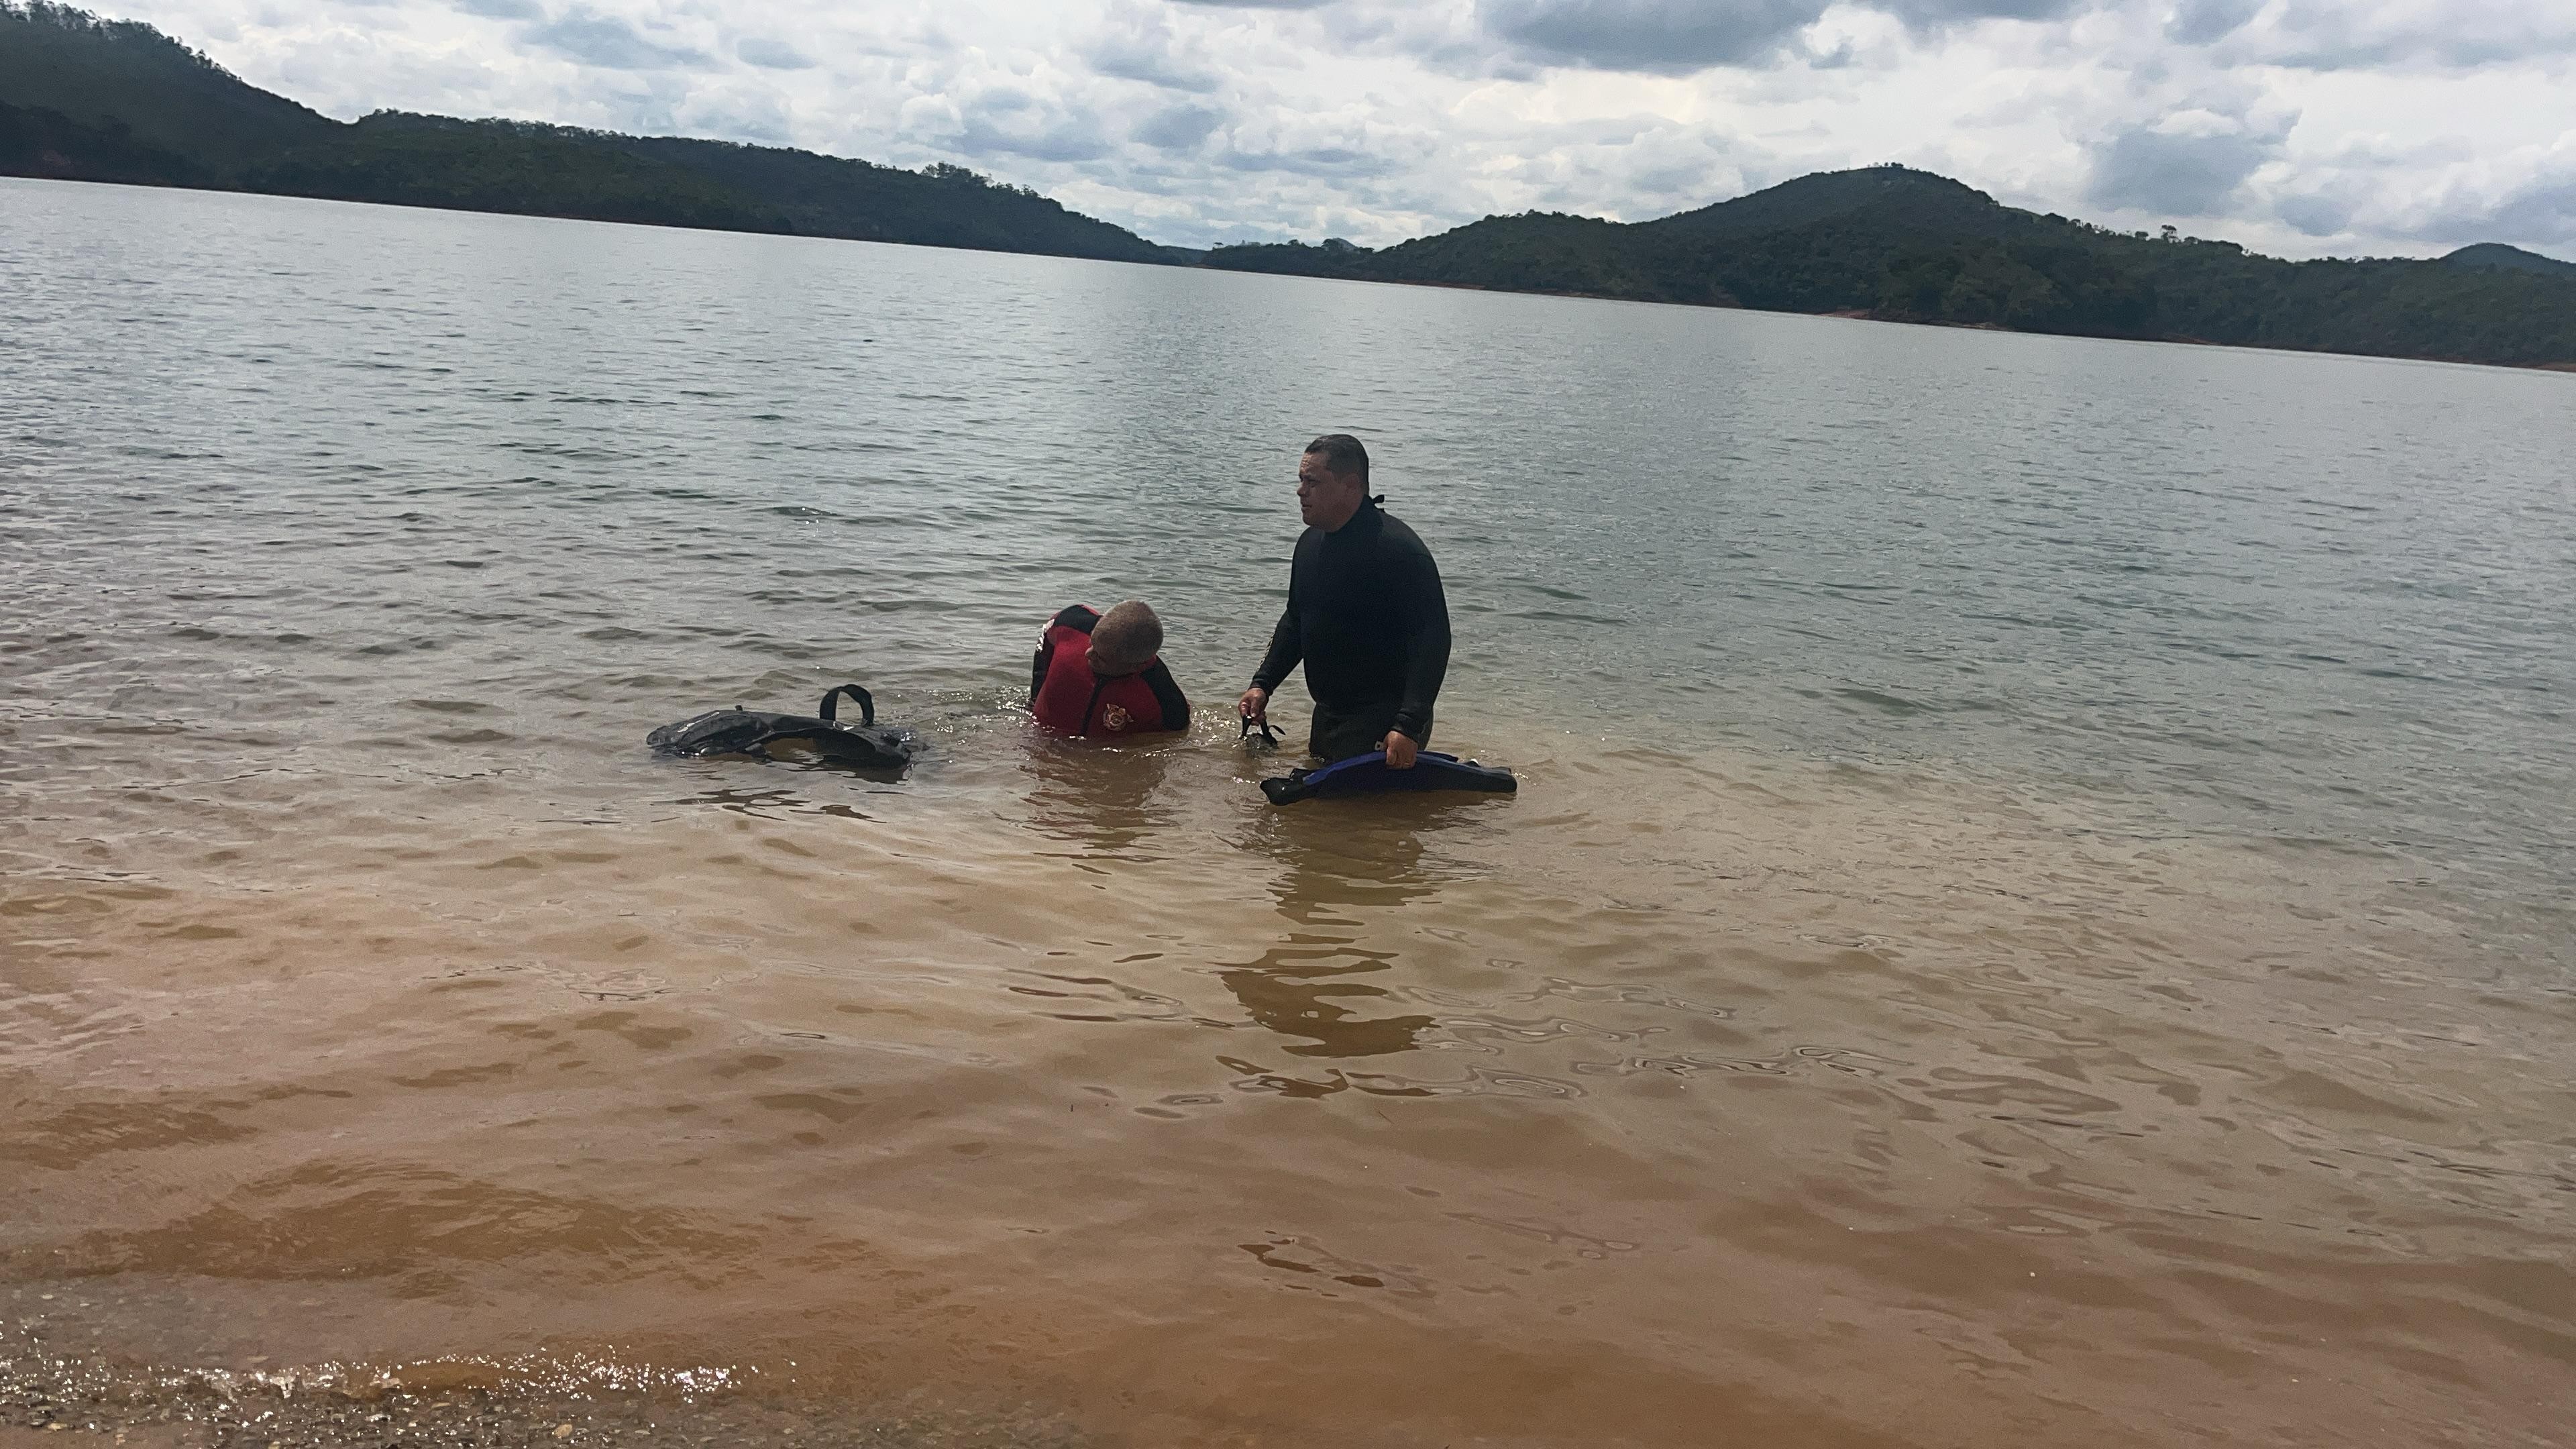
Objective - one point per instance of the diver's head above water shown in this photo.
(1332, 481)
(1125, 640)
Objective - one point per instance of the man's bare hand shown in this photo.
(1399, 748)
(1255, 704)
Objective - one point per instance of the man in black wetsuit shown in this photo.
(1365, 614)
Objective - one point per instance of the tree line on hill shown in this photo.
(98, 100)
(88, 99)
(1906, 245)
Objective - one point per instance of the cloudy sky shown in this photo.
(2301, 127)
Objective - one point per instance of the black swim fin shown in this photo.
(865, 745)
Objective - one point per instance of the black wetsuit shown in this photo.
(1366, 616)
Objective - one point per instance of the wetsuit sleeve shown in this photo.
(1286, 649)
(1176, 708)
(1287, 642)
(1424, 612)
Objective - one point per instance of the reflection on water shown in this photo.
(1943, 1030)
(1103, 800)
(1305, 991)
(1343, 871)
(768, 802)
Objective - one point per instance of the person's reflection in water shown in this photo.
(1104, 801)
(1346, 870)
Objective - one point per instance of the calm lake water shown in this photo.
(2038, 910)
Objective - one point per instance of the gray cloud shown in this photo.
(646, 103)
(1157, 70)
(1681, 36)
(2357, 35)
(1145, 52)
(1626, 167)
(1063, 143)
(501, 9)
(1332, 161)
(1178, 128)
(771, 54)
(763, 127)
(2538, 212)
(608, 42)
(1005, 121)
(2375, 194)
(2317, 213)
(2177, 173)
(2543, 211)
(1648, 35)
(1932, 14)
(2199, 22)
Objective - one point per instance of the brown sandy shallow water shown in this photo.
(1677, 1101)
(2037, 913)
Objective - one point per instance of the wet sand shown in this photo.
(55, 1381)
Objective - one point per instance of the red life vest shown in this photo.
(1068, 698)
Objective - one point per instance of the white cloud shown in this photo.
(2302, 126)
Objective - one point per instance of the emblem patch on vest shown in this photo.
(1116, 717)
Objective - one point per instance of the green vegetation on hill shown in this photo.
(87, 99)
(941, 205)
(384, 158)
(94, 100)
(93, 71)
(1906, 245)
(2496, 256)
(49, 143)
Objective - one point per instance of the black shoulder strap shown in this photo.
(867, 706)
(1076, 616)
(1167, 695)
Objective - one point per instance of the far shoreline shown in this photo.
(1845, 315)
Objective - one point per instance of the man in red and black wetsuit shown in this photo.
(1365, 615)
(1099, 674)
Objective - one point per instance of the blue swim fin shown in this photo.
(1368, 775)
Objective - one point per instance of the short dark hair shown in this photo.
(1341, 453)
(1128, 636)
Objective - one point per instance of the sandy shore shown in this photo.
(51, 1397)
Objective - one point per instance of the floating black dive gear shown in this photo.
(1368, 775)
(865, 745)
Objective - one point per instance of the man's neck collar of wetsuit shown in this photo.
(1368, 505)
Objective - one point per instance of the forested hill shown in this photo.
(1907, 245)
(91, 100)
(2496, 256)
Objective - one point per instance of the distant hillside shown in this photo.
(86, 99)
(117, 72)
(49, 143)
(1927, 199)
(1906, 245)
(2497, 257)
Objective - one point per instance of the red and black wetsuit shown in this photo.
(1067, 698)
